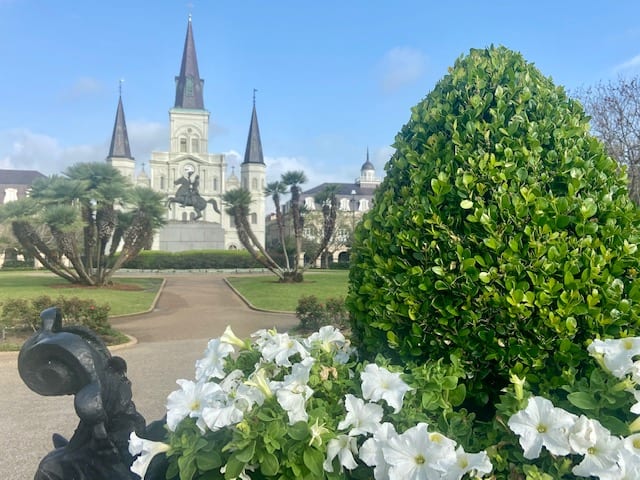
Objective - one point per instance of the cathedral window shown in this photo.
(195, 145)
(254, 184)
(162, 186)
(344, 204)
(183, 145)
(215, 184)
(364, 205)
(254, 218)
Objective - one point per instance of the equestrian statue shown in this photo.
(188, 195)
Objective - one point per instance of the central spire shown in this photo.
(253, 152)
(189, 85)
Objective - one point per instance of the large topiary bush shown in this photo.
(502, 234)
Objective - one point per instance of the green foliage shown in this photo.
(313, 314)
(22, 314)
(196, 259)
(502, 234)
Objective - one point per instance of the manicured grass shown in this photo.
(128, 295)
(266, 292)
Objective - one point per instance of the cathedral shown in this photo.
(191, 179)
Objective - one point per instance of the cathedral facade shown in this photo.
(192, 180)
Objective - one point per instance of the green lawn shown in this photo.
(129, 295)
(265, 291)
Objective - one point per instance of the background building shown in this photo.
(14, 184)
(187, 164)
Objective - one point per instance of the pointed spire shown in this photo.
(189, 85)
(253, 152)
(120, 138)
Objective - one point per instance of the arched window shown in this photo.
(183, 145)
(184, 216)
(162, 186)
(364, 205)
(254, 218)
(344, 204)
(215, 184)
(195, 145)
(254, 184)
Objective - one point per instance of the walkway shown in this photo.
(191, 309)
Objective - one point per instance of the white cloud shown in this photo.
(631, 64)
(401, 66)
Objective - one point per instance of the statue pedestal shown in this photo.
(195, 235)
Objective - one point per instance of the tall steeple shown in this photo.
(189, 85)
(120, 139)
(253, 151)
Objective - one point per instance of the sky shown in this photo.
(333, 78)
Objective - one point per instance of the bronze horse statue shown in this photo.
(187, 195)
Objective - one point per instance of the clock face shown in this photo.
(189, 169)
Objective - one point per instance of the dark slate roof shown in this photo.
(253, 151)
(120, 138)
(189, 85)
(367, 165)
(342, 189)
(19, 177)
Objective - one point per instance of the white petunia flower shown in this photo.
(363, 418)
(474, 463)
(212, 365)
(343, 447)
(328, 338)
(222, 415)
(258, 381)
(280, 347)
(617, 354)
(600, 449)
(541, 424)
(232, 339)
(190, 400)
(379, 383)
(146, 450)
(371, 451)
(413, 455)
(628, 467)
(293, 392)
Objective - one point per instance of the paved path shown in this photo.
(191, 309)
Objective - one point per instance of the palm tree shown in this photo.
(275, 190)
(329, 201)
(293, 179)
(238, 202)
(73, 218)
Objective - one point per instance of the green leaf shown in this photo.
(233, 468)
(269, 464)
(582, 400)
(246, 454)
(208, 460)
(313, 461)
(298, 431)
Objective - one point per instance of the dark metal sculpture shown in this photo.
(72, 360)
(188, 195)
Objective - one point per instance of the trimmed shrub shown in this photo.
(22, 314)
(313, 314)
(193, 260)
(502, 234)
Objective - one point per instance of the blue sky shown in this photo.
(333, 77)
